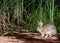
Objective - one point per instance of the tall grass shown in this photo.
(52, 11)
(8, 6)
(17, 11)
(34, 16)
(4, 8)
(45, 11)
(40, 10)
(57, 19)
(21, 11)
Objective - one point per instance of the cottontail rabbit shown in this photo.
(46, 31)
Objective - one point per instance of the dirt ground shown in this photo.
(15, 37)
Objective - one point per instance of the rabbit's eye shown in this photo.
(39, 27)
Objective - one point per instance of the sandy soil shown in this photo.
(15, 37)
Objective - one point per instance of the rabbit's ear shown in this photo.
(38, 22)
(41, 23)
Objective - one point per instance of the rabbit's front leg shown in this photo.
(42, 34)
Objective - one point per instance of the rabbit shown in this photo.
(47, 30)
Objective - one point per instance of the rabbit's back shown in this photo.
(50, 28)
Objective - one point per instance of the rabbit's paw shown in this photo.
(42, 35)
(46, 36)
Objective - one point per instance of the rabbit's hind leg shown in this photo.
(48, 35)
(42, 35)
